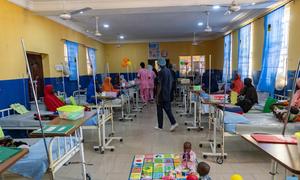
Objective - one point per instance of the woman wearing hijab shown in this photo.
(237, 84)
(51, 101)
(90, 93)
(248, 96)
(107, 86)
(214, 87)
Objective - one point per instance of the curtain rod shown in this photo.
(63, 39)
(268, 11)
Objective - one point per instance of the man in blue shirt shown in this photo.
(164, 83)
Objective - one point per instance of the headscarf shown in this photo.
(237, 84)
(107, 86)
(248, 82)
(51, 101)
(296, 98)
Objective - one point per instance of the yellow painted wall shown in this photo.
(294, 35)
(41, 35)
(138, 52)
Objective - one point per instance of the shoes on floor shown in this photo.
(173, 127)
(156, 127)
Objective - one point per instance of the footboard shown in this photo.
(61, 150)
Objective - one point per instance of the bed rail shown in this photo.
(6, 112)
(61, 150)
(281, 97)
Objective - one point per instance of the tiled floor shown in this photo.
(140, 137)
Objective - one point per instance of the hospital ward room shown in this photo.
(150, 90)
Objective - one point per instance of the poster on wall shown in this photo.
(153, 52)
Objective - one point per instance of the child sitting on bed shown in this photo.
(280, 109)
(189, 159)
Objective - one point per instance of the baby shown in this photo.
(203, 170)
(189, 159)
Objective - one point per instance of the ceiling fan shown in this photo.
(68, 15)
(194, 43)
(235, 7)
(207, 28)
(96, 32)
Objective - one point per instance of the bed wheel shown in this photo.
(112, 150)
(205, 156)
(96, 148)
(105, 140)
(218, 145)
(131, 119)
(200, 145)
(121, 140)
(180, 115)
(220, 160)
(88, 176)
(185, 123)
(225, 157)
(134, 115)
(189, 129)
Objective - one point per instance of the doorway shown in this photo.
(36, 68)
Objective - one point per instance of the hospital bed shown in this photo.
(10, 120)
(255, 121)
(35, 164)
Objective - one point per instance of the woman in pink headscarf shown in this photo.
(143, 76)
(152, 76)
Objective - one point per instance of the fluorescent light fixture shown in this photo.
(216, 7)
(81, 12)
(200, 23)
(253, 3)
(106, 25)
(121, 37)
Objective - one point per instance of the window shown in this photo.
(244, 59)
(185, 66)
(190, 64)
(88, 63)
(71, 57)
(275, 51)
(227, 69)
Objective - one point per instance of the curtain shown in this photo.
(227, 58)
(92, 58)
(271, 52)
(72, 49)
(244, 52)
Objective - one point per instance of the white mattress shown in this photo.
(18, 121)
(265, 123)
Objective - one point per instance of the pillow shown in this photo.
(234, 118)
(1, 133)
(268, 104)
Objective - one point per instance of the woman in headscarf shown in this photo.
(90, 94)
(214, 87)
(107, 86)
(51, 101)
(237, 84)
(248, 96)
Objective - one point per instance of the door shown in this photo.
(36, 68)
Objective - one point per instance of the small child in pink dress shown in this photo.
(143, 76)
(189, 159)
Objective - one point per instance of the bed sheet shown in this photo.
(35, 164)
(25, 120)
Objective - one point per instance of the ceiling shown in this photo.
(149, 20)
